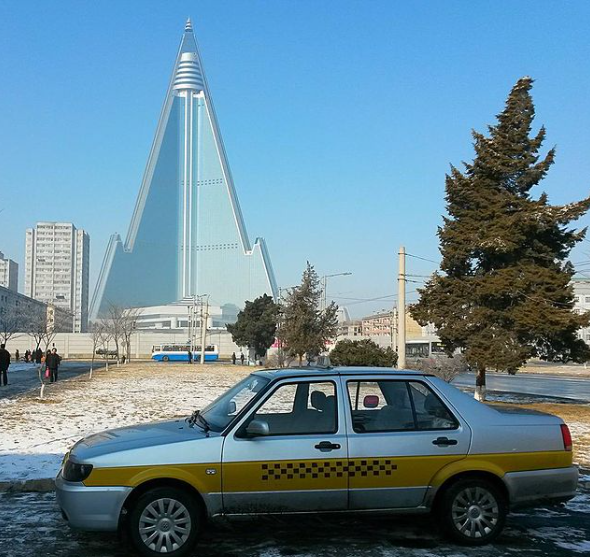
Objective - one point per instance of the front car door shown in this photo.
(300, 464)
(401, 434)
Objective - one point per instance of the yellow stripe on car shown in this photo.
(328, 474)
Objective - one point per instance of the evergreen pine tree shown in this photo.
(305, 328)
(503, 293)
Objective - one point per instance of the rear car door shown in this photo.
(300, 463)
(400, 434)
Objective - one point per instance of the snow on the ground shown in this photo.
(37, 433)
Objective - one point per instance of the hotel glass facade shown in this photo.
(187, 236)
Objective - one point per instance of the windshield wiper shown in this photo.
(196, 415)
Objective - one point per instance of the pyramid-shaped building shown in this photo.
(187, 236)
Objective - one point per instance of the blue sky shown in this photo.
(340, 118)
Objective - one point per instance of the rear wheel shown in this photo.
(473, 511)
(164, 521)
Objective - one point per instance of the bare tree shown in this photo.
(105, 336)
(37, 327)
(96, 332)
(128, 326)
(10, 322)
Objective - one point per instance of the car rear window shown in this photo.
(396, 405)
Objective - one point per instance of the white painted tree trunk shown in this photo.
(480, 393)
(480, 385)
(42, 391)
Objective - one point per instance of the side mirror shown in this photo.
(231, 407)
(257, 428)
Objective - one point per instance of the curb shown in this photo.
(24, 486)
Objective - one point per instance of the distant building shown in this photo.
(350, 330)
(57, 263)
(177, 316)
(8, 273)
(582, 303)
(14, 304)
(385, 324)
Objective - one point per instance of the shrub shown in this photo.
(362, 353)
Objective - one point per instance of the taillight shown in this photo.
(567, 437)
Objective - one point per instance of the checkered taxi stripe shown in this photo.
(326, 469)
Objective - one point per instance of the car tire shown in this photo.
(472, 511)
(165, 358)
(165, 521)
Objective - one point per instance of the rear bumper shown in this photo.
(90, 508)
(534, 487)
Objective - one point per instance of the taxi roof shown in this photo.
(315, 371)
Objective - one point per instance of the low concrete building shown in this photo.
(20, 308)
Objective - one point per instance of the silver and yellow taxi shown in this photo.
(319, 440)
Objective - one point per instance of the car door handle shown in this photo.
(326, 446)
(444, 441)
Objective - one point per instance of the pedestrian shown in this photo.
(27, 355)
(38, 355)
(233, 358)
(242, 357)
(52, 361)
(190, 356)
(4, 365)
(17, 355)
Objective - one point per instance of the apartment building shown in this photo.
(8, 273)
(57, 263)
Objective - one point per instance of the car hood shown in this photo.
(135, 437)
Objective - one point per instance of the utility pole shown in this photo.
(204, 320)
(401, 313)
(393, 329)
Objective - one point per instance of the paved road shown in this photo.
(533, 384)
(25, 377)
(30, 524)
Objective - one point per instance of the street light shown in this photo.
(325, 286)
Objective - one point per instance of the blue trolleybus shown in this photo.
(179, 353)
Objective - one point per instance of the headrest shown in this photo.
(318, 400)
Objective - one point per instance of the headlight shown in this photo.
(74, 472)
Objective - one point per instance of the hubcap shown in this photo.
(164, 525)
(475, 512)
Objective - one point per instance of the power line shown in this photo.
(422, 258)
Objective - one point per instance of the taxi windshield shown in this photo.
(224, 409)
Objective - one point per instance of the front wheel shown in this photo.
(165, 358)
(473, 512)
(164, 521)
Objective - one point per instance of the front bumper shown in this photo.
(90, 508)
(541, 486)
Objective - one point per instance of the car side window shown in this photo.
(300, 408)
(431, 413)
(380, 406)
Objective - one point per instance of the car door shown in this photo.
(298, 463)
(400, 434)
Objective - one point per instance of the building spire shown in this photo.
(189, 26)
